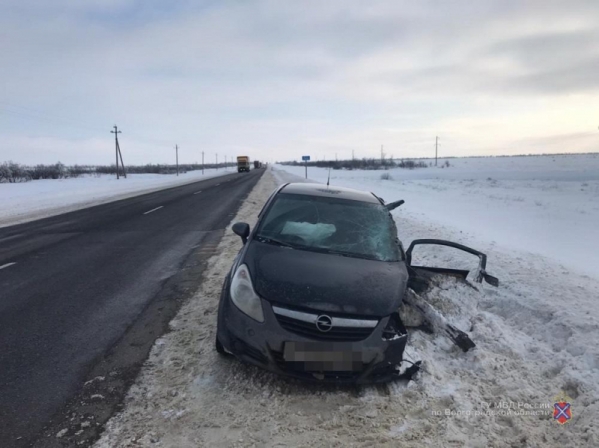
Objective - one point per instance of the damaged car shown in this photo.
(316, 290)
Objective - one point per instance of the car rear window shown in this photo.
(332, 225)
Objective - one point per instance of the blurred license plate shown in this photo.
(317, 356)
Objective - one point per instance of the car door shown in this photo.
(420, 273)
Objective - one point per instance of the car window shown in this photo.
(331, 225)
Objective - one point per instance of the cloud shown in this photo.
(283, 78)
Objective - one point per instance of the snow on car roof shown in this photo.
(330, 191)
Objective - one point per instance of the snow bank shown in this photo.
(37, 199)
(536, 337)
(546, 205)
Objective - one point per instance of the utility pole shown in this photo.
(382, 156)
(116, 149)
(436, 149)
(202, 163)
(352, 154)
(118, 152)
(336, 160)
(216, 162)
(177, 156)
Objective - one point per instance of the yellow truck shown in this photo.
(243, 164)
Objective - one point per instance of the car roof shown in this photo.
(310, 189)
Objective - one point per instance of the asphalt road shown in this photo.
(71, 287)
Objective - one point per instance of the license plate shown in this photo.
(318, 357)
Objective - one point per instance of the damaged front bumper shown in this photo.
(370, 356)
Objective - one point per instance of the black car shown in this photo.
(314, 293)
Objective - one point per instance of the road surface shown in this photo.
(89, 291)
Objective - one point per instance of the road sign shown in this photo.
(305, 158)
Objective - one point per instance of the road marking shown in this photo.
(217, 185)
(153, 210)
(10, 237)
(198, 192)
(6, 265)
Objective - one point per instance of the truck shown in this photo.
(243, 164)
(257, 164)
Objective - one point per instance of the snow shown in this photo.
(21, 202)
(536, 337)
(311, 233)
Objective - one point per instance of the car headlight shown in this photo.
(243, 295)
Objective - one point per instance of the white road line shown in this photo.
(198, 192)
(10, 237)
(217, 185)
(153, 210)
(6, 265)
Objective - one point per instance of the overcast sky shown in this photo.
(279, 79)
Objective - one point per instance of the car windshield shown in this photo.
(331, 225)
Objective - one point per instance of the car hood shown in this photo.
(326, 282)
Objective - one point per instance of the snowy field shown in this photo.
(536, 337)
(37, 199)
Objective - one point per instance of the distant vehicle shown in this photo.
(243, 164)
(316, 289)
(257, 164)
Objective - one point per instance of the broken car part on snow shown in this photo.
(316, 290)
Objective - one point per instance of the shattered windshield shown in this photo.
(331, 225)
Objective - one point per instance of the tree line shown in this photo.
(12, 172)
(361, 164)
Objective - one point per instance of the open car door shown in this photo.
(418, 274)
(422, 277)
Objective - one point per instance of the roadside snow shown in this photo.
(37, 199)
(536, 337)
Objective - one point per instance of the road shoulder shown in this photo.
(156, 402)
(107, 383)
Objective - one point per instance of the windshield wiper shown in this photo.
(352, 254)
(322, 250)
(274, 241)
(325, 250)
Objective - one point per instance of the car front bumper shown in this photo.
(263, 344)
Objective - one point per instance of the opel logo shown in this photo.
(324, 323)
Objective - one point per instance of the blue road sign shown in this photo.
(305, 158)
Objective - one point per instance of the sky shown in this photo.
(276, 80)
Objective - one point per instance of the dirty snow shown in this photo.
(21, 202)
(536, 337)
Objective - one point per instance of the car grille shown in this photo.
(342, 329)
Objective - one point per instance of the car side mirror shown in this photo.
(243, 230)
